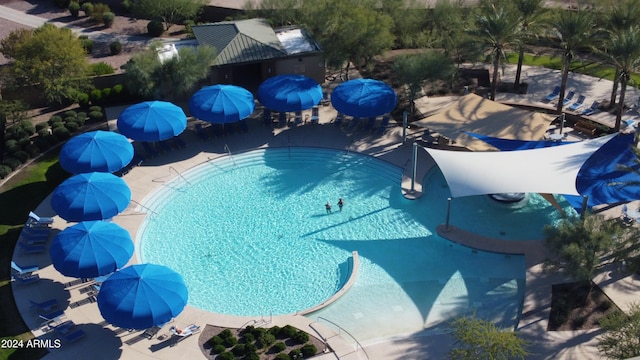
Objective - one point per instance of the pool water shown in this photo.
(250, 235)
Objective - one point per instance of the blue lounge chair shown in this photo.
(44, 306)
(33, 239)
(27, 279)
(568, 98)
(24, 270)
(383, 125)
(72, 335)
(297, 119)
(31, 249)
(339, 120)
(53, 318)
(578, 104)
(592, 109)
(34, 220)
(266, 118)
(554, 94)
(244, 126)
(315, 115)
(325, 98)
(35, 231)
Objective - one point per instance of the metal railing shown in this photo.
(342, 330)
(179, 174)
(226, 148)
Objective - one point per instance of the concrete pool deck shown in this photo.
(105, 341)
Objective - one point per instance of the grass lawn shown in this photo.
(21, 194)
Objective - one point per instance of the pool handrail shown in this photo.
(341, 329)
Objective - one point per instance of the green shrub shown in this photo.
(115, 47)
(32, 149)
(87, 8)
(87, 44)
(70, 119)
(43, 132)
(226, 333)
(275, 330)
(231, 341)
(70, 113)
(118, 89)
(295, 353)
(72, 126)
(251, 356)
(100, 68)
(239, 350)
(106, 93)
(309, 350)
(23, 156)
(108, 18)
(54, 119)
(57, 125)
(287, 332)
(82, 99)
(12, 162)
(81, 121)
(96, 95)
(250, 347)
(126, 5)
(277, 347)
(282, 356)
(24, 142)
(11, 145)
(42, 125)
(219, 349)
(96, 116)
(226, 356)
(81, 116)
(28, 127)
(4, 171)
(300, 337)
(61, 133)
(188, 27)
(74, 8)
(155, 28)
(265, 340)
(248, 338)
(216, 340)
(249, 330)
(95, 108)
(98, 12)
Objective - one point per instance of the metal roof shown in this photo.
(240, 41)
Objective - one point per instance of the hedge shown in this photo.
(4, 171)
(61, 133)
(12, 162)
(23, 156)
(155, 28)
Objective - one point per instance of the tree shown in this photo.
(578, 245)
(170, 11)
(414, 70)
(449, 31)
(481, 339)
(150, 77)
(497, 27)
(531, 12)
(278, 12)
(621, 339)
(574, 29)
(623, 52)
(50, 58)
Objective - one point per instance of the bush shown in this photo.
(54, 119)
(87, 44)
(106, 93)
(87, 8)
(24, 142)
(250, 347)
(72, 126)
(300, 337)
(100, 68)
(287, 332)
(70, 119)
(28, 127)
(118, 89)
(275, 330)
(95, 108)
(32, 149)
(98, 12)
(43, 132)
(12, 146)
(216, 340)
(13, 163)
(309, 350)
(96, 116)
(70, 113)
(23, 156)
(219, 349)
(225, 334)
(295, 353)
(108, 18)
(265, 340)
(42, 125)
(248, 338)
(96, 96)
(83, 99)
(52, 139)
(74, 8)
(81, 119)
(251, 356)
(188, 27)
(57, 125)
(155, 28)
(226, 356)
(282, 356)
(230, 341)
(279, 346)
(61, 133)
(115, 47)
(126, 5)
(239, 350)
(4, 171)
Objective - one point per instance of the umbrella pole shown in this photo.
(404, 127)
(446, 223)
(414, 160)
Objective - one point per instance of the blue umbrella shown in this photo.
(142, 296)
(91, 249)
(364, 98)
(90, 196)
(152, 121)
(96, 151)
(221, 104)
(289, 93)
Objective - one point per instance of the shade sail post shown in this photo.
(404, 127)
(446, 223)
(562, 119)
(414, 161)
(585, 203)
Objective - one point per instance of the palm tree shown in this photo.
(574, 29)
(530, 12)
(623, 53)
(497, 27)
(622, 16)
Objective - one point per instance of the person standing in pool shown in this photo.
(340, 204)
(327, 207)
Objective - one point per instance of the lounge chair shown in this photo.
(72, 335)
(26, 279)
(33, 239)
(35, 220)
(44, 306)
(53, 318)
(578, 104)
(592, 109)
(297, 119)
(187, 331)
(35, 231)
(315, 117)
(282, 119)
(625, 218)
(24, 270)
(554, 94)
(567, 99)
(325, 98)
(31, 249)
(383, 125)
(267, 120)
(339, 120)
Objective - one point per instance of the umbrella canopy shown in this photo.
(152, 121)
(364, 98)
(142, 296)
(289, 93)
(91, 249)
(96, 151)
(90, 196)
(221, 104)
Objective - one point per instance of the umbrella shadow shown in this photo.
(170, 341)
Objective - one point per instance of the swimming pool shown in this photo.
(250, 235)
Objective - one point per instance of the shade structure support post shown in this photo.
(585, 203)
(404, 126)
(562, 120)
(414, 167)
(446, 223)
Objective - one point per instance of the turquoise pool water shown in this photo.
(250, 235)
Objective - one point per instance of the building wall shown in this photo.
(311, 65)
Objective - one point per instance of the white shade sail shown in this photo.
(547, 170)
